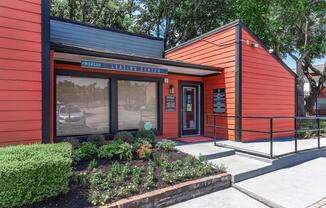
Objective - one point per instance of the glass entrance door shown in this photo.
(190, 113)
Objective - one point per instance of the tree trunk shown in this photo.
(300, 90)
(311, 102)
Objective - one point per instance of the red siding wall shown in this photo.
(20, 72)
(268, 89)
(202, 52)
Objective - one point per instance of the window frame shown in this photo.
(113, 97)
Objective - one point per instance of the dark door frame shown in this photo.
(200, 107)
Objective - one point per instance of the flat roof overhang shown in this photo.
(74, 54)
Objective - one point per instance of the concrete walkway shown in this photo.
(295, 187)
(227, 198)
(259, 182)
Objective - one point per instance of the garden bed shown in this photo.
(106, 172)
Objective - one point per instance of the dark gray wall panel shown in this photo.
(84, 36)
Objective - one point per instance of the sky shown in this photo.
(291, 63)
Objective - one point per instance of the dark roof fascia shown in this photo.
(219, 29)
(104, 28)
(260, 42)
(81, 51)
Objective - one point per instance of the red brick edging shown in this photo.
(175, 194)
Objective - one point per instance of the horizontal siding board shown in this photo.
(21, 5)
(20, 55)
(83, 36)
(13, 105)
(20, 115)
(19, 15)
(19, 136)
(19, 126)
(11, 65)
(9, 43)
(20, 75)
(20, 24)
(20, 95)
(20, 34)
(20, 85)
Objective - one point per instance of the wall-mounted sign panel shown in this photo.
(219, 101)
(170, 103)
(123, 67)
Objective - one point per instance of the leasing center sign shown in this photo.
(123, 67)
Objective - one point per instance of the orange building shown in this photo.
(61, 78)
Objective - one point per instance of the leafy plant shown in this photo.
(91, 165)
(144, 151)
(149, 179)
(147, 135)
(135, 179)
(117, 148)
(166, 145)
(87, 149)
(124, 136)
(97, 139)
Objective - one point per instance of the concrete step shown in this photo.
(206, 149)
(242, 167)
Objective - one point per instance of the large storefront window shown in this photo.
(137, 104)
(82, 105)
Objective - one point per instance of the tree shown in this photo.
(108, 13)
(303, 32)
(291, 28)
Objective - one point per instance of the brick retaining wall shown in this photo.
(175, 194)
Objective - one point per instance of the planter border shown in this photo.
(172, 194)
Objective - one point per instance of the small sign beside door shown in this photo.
(219, 101)
(170, 103)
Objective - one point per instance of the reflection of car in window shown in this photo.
(71, 114)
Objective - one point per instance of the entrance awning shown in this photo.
(68, 53)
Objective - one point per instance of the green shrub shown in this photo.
(97, 139)
(117, 148)
(87, 149)
(124, 136)
(148, 135)
(166, 145)
(31, 173)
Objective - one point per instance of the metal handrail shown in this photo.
(271, 132)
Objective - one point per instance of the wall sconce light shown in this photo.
(252, 44)
(171, 89)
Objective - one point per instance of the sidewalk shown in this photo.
(296, 187)
(227, 198)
